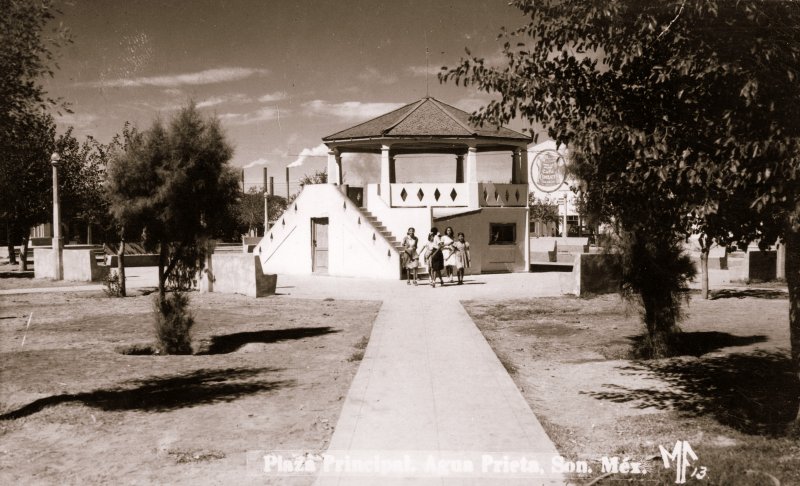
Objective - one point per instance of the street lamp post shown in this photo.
(59, 275)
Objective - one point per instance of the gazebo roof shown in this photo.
(428, 118)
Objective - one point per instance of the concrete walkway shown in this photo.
(430, 387)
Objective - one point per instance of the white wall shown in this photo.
(352, 250)
(486, 257)
(398, 220)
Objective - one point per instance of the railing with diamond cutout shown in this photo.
(503, 195)
(417, 195)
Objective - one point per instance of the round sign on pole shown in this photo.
(548, 171)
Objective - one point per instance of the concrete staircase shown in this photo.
(391, 238)
(382, 230)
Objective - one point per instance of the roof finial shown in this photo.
(427, 66)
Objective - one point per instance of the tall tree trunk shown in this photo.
(121, 266)
(162, 263)
(89, 233)
(792, 243)
(23, 254)
(12, 250)
(704, 272)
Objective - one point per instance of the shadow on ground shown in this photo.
(165, 393)
(742, 293)
(755, 393)
(228, 343)
(702, 342)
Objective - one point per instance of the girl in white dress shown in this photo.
(462, 256)
(410, 256)
(449, 252)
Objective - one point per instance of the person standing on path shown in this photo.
(410, 256)
(436, 258)
(448, 252)
(462, 257)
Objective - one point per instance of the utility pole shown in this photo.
(266, 202)
(287, 184)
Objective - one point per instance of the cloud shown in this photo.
(78, 120)
(218, 100)
(256, 163)
(372, 75)
(320, 150)
(349, 110)
(420, 70)
(209, 76)
(270, 97)
(260, 115)
(472, 103)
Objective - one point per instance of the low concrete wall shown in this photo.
(81, 265)
(240, 274)
(543, 249)
(147, 260)
(44, 265)
(756, 265)
(596, 273)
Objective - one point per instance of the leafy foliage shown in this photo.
(26, 55)
(173, 323)
(174, 185)
(543, 210)
(251, 210)
(679, 115)
(317, 177)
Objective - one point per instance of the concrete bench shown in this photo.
(78, 264)
(543, 249)
(237, 273)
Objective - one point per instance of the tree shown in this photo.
(26, 55)
(543, 210)
(669, 108)
(81, 178)
(317, 177)
(27, 181)
(26, 132)
(175, 185)
(251, 210)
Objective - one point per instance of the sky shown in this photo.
(279, 74)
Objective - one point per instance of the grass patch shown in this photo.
(361, 347)
(731, 393)
(84, 385)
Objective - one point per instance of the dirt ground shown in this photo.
(11, 277)
(730, 394)
(272, 376)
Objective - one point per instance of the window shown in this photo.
(502, 233)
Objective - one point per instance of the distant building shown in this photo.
(550, 181)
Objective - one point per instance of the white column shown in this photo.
(524, 169)
(472, 165)
(385, 186)
(57, 248)
(334, 167)
(471, 178)
(385, 168)
(515, 155)
(527, 244)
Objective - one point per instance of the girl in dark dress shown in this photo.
(436, 264)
